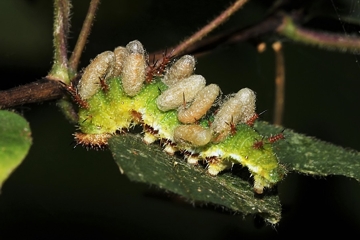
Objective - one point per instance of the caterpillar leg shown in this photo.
(216, 166)
(92, 141)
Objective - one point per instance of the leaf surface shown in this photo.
(15, 142)
(149, 164)
(312, 156)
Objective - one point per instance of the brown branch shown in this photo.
(209, 27)
(39, 91)
(279, 84)
(84, 33)
(268, 25)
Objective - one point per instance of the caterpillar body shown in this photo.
(220, 138)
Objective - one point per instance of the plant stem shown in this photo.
(19, 95)
(233, 36)
(279, 84)
(39, 91)
(59, 70)
(209, 27)
(329, 41)
(84, 33)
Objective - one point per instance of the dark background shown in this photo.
(61, 192)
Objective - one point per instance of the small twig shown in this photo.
(279, 84)
(61, 30)
(209, 27)
(68, 109)
(329, 41)
(234, 36)
(84, 33)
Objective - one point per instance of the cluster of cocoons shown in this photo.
(175, 107)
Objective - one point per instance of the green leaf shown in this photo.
(149, 164)
(311, 156)
(15, 141)
(300, 153)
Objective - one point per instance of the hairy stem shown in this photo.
(209, 27)
(329, 41)
(234, 36)
(39, 91)
(59, 70)
(84, 33)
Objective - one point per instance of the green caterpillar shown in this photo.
(119, 90)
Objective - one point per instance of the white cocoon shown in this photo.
(100, 67)
(186, 90)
